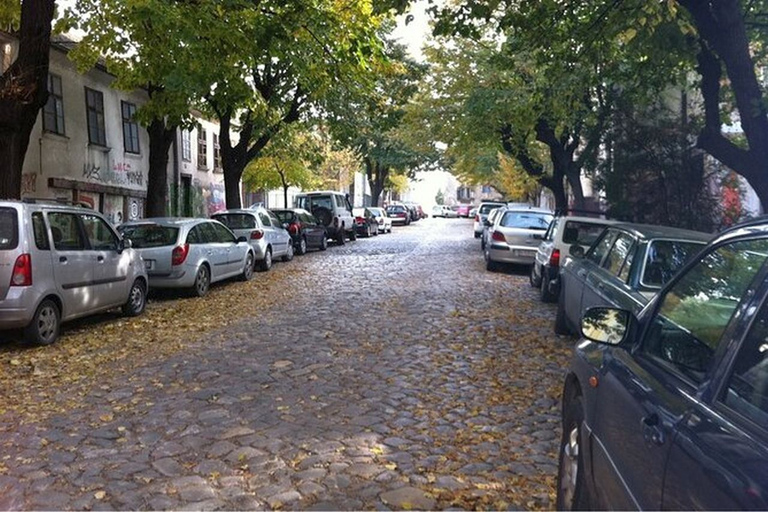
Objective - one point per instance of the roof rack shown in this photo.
(55, 200)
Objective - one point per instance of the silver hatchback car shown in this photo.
(264, 231)
(61, 262)
(189, 253)
(515, 236)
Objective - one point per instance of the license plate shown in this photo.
(149, 264)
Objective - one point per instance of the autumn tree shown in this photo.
(286, 161)
(23, 86)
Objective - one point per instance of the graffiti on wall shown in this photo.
(28, 183)
(121, 173)
(213, 195)
(203, 199)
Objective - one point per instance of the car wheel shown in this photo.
(44, 327)
(340, 237)
(202, 281)
(533, 279)
(137, 299)
(352, 235)
(489, 263)
(561, 324)
(324, 243)
(302, 249)
(546, 295)
(477, 235)
(288, 256)
(572, 492)
(248, 268)
(482, 244)
(266, 263)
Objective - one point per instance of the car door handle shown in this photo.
(652, 429)
(581, 273)
(62, 259)
(100, 257)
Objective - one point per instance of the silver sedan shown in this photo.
(189, 253)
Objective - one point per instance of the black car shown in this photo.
(365, 222)
(305, 230)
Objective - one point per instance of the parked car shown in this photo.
(487, 224)
(515, 236)
(263, 230)
(385, 223)
(563, 232)
(305, 230)
(462, 210)
(624, 267)
(667, 408)
(482, 214)
(62, 262)
(365, 222)
(333, 210)
(399, 214)
(444, 211)
(189, 253)
(413, 211)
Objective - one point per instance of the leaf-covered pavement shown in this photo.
(392, 372)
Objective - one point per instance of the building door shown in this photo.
(186, 196)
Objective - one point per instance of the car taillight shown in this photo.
(22, 271)
(293, 228)
(497, 236)
(179, 254)
(257, 234)
(360, 220)
(554, 258)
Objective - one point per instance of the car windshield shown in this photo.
(665, 258)
(236, 220)
(9, 229)
(582, 233)
(376, 211)
(311, 203)
(526, 220)
(150, 235)
(284, 215)
(486, 208)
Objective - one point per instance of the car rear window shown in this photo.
(284, 215)
(395, 209)
(237, 220)
(150, 235)
(9, 229)
(582, 233)
(486, 208)
(526, 220)
(665, 258)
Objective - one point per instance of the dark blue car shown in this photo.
(668, 408)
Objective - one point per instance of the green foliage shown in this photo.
(286, 161)
(439, 197)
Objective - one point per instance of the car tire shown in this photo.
(572, 491)
(477, 235)
(44, 327)
(137, 299)
(266, 263)
(248, 268)
(324, 243)
(561, 323)
(288, 256)
(352, 235)
(302, 248)
(490, 265)
(482, 244)
(202, 281)
(340, 237)
(546, 295)
(535, 281)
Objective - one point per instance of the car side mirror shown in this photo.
(576, 251)
(608, 326)
(241, 239)
(487, 223)
(123, 244)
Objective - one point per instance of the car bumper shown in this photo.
(176, 279)
(398, 220)
(18, 307)
(512, 254)
(478, 227)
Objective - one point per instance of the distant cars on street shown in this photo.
(482, 214)
(462, 210)
(382, 218)
(263, 230)
(399, 214)
(365, 222)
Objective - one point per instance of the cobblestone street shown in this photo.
(390, 373)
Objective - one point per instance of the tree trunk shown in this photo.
(377, 176)
(23, 92)
(725, 41)
(160, 141)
